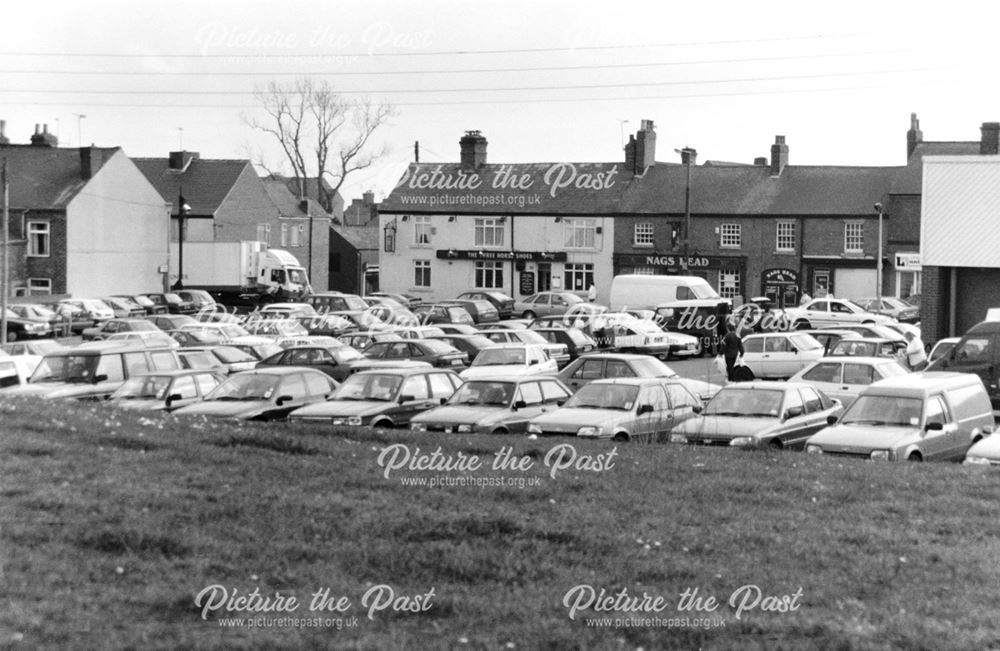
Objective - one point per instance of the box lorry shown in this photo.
(242, 272)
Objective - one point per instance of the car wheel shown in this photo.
(500, 430)
(382, 424)
(620, 437)
(802, 325)
(527, 314)
(11, 335)
(775, 444)
(915, 457)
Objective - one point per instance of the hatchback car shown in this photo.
(577, 342)
(503, 303)
(164, 391)
(21, 328)
(433, 351)
(890, 306)
(471, 345)
(145, 303)
(93, 308)
(868, 347)
(263, 394)
(123, 308)
(482, 311)
(510, 359)
(760, 414)
(337, 362)
(844, 378)
(442, 313)
(831, 313)
(382, 398)
(228, 359)
(556, 351)
(502, 405)
(623, 409)
(174, 303)
(173, 321)
(780, 354)
(546, 303)
(587, 368)
(113, 326)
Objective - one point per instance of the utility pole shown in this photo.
(4, 283)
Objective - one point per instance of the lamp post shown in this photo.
(878, 263)
(687, 158)
(182, 211)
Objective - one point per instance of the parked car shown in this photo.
(123, 308)
(275, 328)
(39, 347)
(263, 394)
(627, 334)
(40, 314)
(326, 302)
(382, 398)
(391, 312)
(145, 303)
(890, 306)
(164, 391)
(433, 351)
(228, 359)
(112, 326)
(94, 371)
(259, 347)
(760, 414)
(621, 409)
(942, 348)
(510, 359)
(284, 311)
(360, 341)
(830, 336)
(759, 314)
(457, 328)
(21, 328)
(187, 338)
(984, 452)
(405, 300)
(978, 351)
(545, 304)
(16, 370)
(431, 313)
(780, 354)
(576, 341)
(92, 308)
(174, 303)
(501, 405)
(831, 313)
(587, 368)
(916, 417)
(844, 378)
(420, 332)
(337, 362)
(556, 351)
(154, 338)
(503, 303)
(482, 311)
(201, 299)
(471, 345)
(869, 347)
(874, 330)
(174, 321)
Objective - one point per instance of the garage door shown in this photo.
(978, 290)
(854, 283)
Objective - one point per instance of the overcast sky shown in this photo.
(543, 81)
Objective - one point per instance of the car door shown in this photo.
(939, 443)
(587, 372)
(776, 360)
(680, 408)
(794, 419)
(534, 404)
(856, 377)
(442, 387)
(828, 377)
(815, 411)
(841, 314)
(818, 314)
(645, 425)
(975, 353)
(414, 397)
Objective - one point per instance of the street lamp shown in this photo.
(878, 264)
(182, 211)
(688, 156)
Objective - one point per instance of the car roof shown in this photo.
(765, 385)
(404, 370)
(872, 340)
(984, 327)
(178, 372)
(622, 356)
(853, 359)
(281, 370)
(921, 384)
(633, 381)
(99, 347)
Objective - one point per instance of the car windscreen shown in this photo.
(152, 387)
(500, 357)
(883, 410)
(484, 392)
(598, 395)
(738, 401)
(252, 386)
(369, 386)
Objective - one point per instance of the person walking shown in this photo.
(916, 358)
(732, 347)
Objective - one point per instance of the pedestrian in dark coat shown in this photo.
(732, 347)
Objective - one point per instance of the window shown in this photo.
(489, 275)
(681, 397)
(39, 286)
(284, 235)
(617, 368)
(589, 370)
(786, 236)
(579, 276)
(643, 234)
(296, 231)
(415, 388)
(731, 236)
(422, 273)
(553, 392)
(531, 393)
(729, 284)
(264, 233)
(580, 233)
(38, 239)
(390, 239)
(825, 372)
(441, 386)
(812, 400)
(775, 345)
(294, 386)
(854, 237)
(644, 271)
(490, 232)
(421, 229)
(675, 236)
(858, 374)
(753, 345)
(316, 385)
(110, 366)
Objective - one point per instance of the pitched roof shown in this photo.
(362, 238)
(910, 178)
(287, 203)
(205, 183)
(46, 177)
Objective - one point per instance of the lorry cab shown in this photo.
(281, 274)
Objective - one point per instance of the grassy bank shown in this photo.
(111, 525)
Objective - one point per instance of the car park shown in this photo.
(94, 371)
(545, 304)
(891, 306)
(263, 394)
(760, 414)
(382, 398)
(113, 326)
(20, 328)
(164, 391)
(917, 417)
(830, 313)
(621, 409)
(503, 303)
(779, 354)
(499, 405)
(482, 311)
(510, 359)
(433, 351)
(843, 378)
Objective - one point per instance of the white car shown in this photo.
(843, 378)
(831, 312)
(780, 354)
(510, 359)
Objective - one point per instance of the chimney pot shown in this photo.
(989, 144)
(914, 136)
(37, 128)
(760, 160)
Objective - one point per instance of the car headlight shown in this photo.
(589, 431)
(678, 438)
(534, 429)
(354, 420)
(977, 461)
(814, 449)
(418, 427)
(742, 442)
(464, 429)
(880, 455)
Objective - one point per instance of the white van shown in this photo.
(645, 292)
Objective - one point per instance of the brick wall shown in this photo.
(934, 304)
(54, 266)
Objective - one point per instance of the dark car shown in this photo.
(501, 405)
(362, 340)
(338, 363)
(434, 352)
(442, 313)
(145, 303)
(174, 303)
(225, 358)
(468, 344)
(124, 309)
(405, 300)
(169, 322)
(21, 328)
(42, 314)
(263, 394)
(164, 391)
(325, 302)
(114, 326)
(503, 303)
(481, 311)
(576, 341)
(382, 398)
(201, 299)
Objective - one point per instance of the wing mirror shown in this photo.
(645, 409)
(520, 404)
(934, 427)
(100, 378)
(697, 409)
(831, 420)
(172, 397)
(282, 400)
(406, 398)
(792, 412)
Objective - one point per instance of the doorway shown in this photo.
(544, 276)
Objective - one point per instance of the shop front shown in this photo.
(782, 286)
(907, 275)
(528, 271)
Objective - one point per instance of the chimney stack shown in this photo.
(914, 136)
(44, 138)
(990, 142)
(630, 154)
(3, 133)
(91, 159)
(179, 160)
(779, 155)
(368, 198)
(473, 149)
(645, 146)
(689, 156)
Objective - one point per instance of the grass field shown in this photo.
(111, 524)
